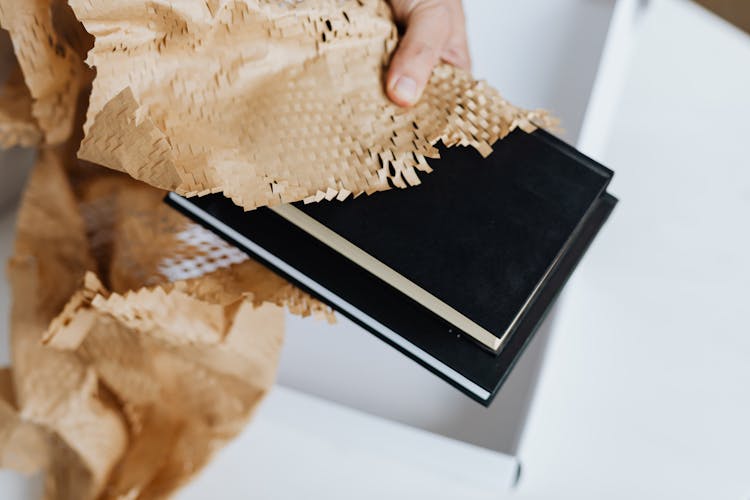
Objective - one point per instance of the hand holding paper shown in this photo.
(435, 31)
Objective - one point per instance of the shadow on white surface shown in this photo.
(302, 447)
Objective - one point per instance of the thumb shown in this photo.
(428, 29)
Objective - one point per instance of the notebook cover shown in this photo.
(493, 238)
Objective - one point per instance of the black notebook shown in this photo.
(456, 273)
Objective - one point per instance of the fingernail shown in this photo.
(405, 89)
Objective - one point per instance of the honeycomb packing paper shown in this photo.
(269, 101)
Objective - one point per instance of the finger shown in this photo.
(428, 30)
(456, 51)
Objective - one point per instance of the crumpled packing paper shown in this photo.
(49, 45)
(17, 126)
(141, 343)
(269, 101)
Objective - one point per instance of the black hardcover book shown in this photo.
(456, 273)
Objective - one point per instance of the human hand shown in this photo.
(435, 31)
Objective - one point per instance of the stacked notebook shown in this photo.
(456, 273)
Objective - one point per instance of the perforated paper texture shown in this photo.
(270, 101)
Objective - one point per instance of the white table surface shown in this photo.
(299, 446)
(646, 389)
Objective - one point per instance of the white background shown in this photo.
(646, 389)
